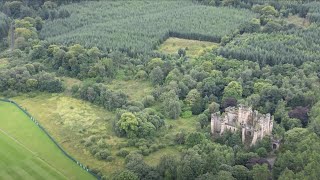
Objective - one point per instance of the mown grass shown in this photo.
(193, 48)
(27, 151)
(18, 162)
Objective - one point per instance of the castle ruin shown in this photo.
(253, 125)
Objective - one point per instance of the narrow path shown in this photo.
(271, 159)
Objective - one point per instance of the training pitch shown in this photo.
(26, 152)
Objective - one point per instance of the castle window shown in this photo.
(274, 146)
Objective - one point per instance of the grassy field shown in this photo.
(193, 48)
(27, 153)
(136, 90)
(70, 120)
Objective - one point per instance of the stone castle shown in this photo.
(253, 125)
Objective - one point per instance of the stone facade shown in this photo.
(253, 125)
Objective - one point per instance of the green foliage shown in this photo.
(171, 104)
(191, 165)
(135, 164)
(174, 109)
(295, 47)
(233, 90)
(194, 101)
(296, 143)
(157, 76)
(128, 123)
(203, 120)
(167, 167)
(141, 26)
(214, 107)
(122, 153)
(224, 175)
(262, 152)
(265, 10)
(194, 139)
(314, 125)
(103, 154)
(260, 172)
(240, 172)
(29, 78)
(13, 8)
(4, 25)
(139, 124)
(126, 175)
(99, 94)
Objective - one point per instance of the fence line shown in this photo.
(52, 139)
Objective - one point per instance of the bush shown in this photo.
(148, 101)
(145, 150)
(186, 114)
(154, 147)
(180, 138)
(110, 158)
(103, 154)
(194, 139)
(102, 144)
(122, 153)
(93, 150)
(262, 152)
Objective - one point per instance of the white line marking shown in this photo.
(5, 133)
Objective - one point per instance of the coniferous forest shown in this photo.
(101, 77)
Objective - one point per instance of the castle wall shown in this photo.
(245, 120)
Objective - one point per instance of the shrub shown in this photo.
(180, 138)
(186, 114)
(103, 154)
(148, 101)
(122, 153)
(110, 158)
(262, 152)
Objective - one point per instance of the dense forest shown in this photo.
(268, 59)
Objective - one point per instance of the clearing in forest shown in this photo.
(193, 48)
(27, 153)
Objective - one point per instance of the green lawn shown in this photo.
(27, 153)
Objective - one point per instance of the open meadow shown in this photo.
(27, 153)
(71, 121)
(193, 48)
